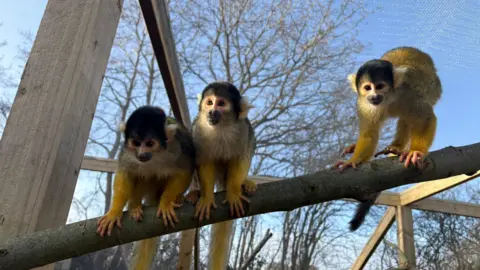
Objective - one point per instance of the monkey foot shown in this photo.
(193, 196)
(414, 157)
(107, 222)
(136, 213)
(349, 149)
(342, 165)
(236, 205)
(390, 150)
(167, 211)
(249, 187)
(204, 205)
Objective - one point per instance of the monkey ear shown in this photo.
(170, 131)
(199, 99)
(352, 78)
(399, 75)
(121, 126)
(245, 106)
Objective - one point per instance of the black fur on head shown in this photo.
(376, 70)
(226, 90)
(147, 121)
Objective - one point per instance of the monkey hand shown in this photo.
(249, 186)
(413, 156)
(203, 207)
(235, 200)
(108, 221)
(136, 213)
(392, 149)
(342, 165)
(166, 209)
(349, 149)
(193, 196)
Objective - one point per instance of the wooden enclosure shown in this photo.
(55, 105)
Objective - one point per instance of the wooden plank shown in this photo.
(406, 242)
(448, 207)
(47, 130)
(382, 228)
(157, 21)
(426, 189)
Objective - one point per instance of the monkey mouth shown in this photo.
(213, 120)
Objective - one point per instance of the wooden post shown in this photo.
(45, 136)
(406, 243)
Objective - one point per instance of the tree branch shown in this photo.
(51, 245)
(257, 249)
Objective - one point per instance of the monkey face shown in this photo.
(143, 149)
(216, 109)
(145, 133)
(375, 92)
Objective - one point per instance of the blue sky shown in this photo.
(447, 30)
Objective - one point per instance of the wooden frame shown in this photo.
(66, 65)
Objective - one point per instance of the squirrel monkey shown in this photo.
(225, 144)
(402, 84)
(156, 163)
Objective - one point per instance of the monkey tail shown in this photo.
(220, 244)
(144, 254)
(362, 210)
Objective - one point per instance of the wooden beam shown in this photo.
(382, 228)
(427, 189)
(47, 130)
(406, 243)
(157, 20)
(448, 207)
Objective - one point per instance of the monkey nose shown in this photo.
(375, 99)
(214, 117)
(145, 156)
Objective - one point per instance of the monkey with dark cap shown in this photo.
(225, 144)
(402, 84)
(156, 163)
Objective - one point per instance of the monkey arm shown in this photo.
(367, 142)
(176, 185)
(122, 190)
(206, 175)
(402, 137)
(236, 175)
(135, 204)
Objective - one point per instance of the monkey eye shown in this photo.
(209, 102)
(380, 86)
(150, 143)
(367, 87)
(136, 143)
(221, 103)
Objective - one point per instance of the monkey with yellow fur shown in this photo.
(402, 84)
(156, 163)
(225, 144)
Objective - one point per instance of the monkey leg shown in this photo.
(402, 137)
(236, 175)
(135, 205)
(122, 190)
(207, 184)
(176, 186)
(423, 134)
(193, 196)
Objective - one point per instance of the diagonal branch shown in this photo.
(44, 247)
(257, 249)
